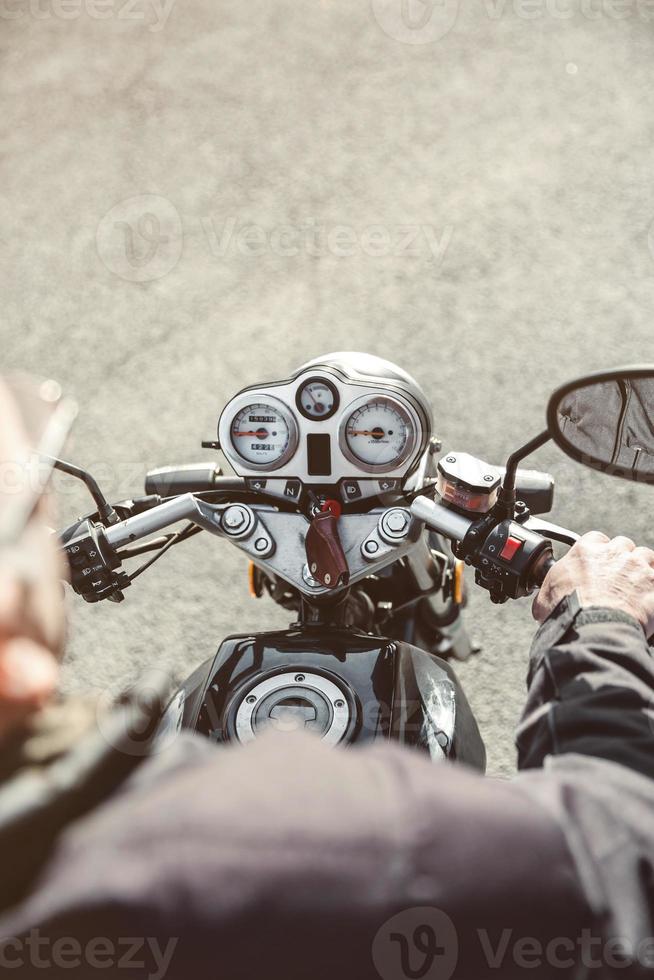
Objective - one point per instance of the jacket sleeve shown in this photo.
(586, 751)
(591, 690)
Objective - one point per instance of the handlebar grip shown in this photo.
(170, 481)
(542, 569)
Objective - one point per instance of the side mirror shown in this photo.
(606, 421)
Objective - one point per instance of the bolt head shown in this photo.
(234, 517)
(396, 521)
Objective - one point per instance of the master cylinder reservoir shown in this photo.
(467, 483)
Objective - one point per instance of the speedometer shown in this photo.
(264, 434)
(379, 435)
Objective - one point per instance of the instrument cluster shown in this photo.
(324, 427)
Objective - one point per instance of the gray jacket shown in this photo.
(613, 423)
(287, 859)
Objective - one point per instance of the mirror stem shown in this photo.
(505, 506)
(107, 514)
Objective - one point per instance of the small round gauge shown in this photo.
(264, 434)
(379, 434)
(317, 399)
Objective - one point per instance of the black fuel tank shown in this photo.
(344, 685)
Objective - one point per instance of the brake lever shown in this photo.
(553, 531)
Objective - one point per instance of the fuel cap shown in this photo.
(293, 701)
(291, 709)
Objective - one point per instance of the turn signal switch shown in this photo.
(94, 565)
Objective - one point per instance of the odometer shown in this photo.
(264, 434)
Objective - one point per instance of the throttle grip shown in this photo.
(543, 567)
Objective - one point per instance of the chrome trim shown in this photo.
(328, 383)
(335, 697)
(259, 397)
(411, 444)
(441, 519)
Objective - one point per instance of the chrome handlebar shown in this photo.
(275, 540)
(441, 519)
(511, 558)
(154, 520)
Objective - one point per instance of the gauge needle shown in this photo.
(259, 432)
(367, 432)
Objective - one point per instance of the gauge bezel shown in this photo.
(411, 443)
(320, 379)
(261, 398)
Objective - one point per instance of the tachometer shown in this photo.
(379, 435)
(264, 434)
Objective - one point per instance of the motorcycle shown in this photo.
(354, 522)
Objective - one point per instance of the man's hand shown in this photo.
(604, 572)
(31, 605)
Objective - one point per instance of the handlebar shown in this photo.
(510, 558)
(542, 570)
(170, 512)
(93, 549)
(171, 481)
(441, 519)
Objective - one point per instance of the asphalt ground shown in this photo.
(200, 195)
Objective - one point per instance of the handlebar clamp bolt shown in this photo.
(238, 521)
(393, 525)
(234, 518)
(396, 521)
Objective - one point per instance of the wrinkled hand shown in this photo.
(31, 604)
(604, 572)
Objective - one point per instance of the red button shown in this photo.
(511, 548)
